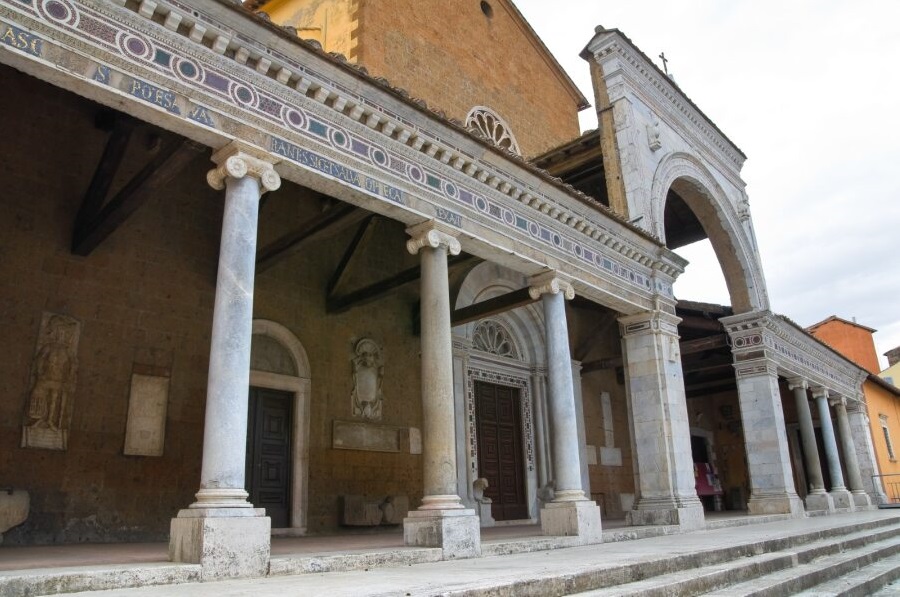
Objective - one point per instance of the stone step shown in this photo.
(42, 581)
(346, 561)
(817, 571)
(870, 580)
(719, 576)
(774, 552)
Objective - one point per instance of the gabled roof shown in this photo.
(840, 319)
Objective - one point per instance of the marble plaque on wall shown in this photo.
(366, 436)
(145, 431)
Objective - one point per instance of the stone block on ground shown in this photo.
(225, 546)
(456, 532)
(573, 519)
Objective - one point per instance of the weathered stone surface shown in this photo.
(14, 507)
(456, 532)
(361, 511)
(225, 547)
(145, 431)
(573, 519)
(352, 435)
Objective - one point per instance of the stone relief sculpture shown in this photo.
(653, 134)
(52, 385)
(368, 371)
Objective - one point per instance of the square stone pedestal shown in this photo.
(843, 499)
(862, 500)
(685, 517)
(572, 519)
(819, 502)
(456, 532)
(226, 542)
(780, 503)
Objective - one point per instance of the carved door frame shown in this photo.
(300, 386)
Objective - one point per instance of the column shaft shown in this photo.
(566, 456)
(853, 475)
(828, 438)
(439, 431)
(808, 435)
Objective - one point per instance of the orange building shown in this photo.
(883, 399)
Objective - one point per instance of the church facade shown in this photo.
(255, 285)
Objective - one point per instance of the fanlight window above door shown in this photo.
(489, 124)
(492, 337)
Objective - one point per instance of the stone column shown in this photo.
(854, 478)
(571, 512)
(765, 438)
(661, 433)
(442, 520)
(839, 493)
(818, 498)
(582, 432)
(540, 429)
(222, 531)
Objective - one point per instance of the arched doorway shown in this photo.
(279, 368)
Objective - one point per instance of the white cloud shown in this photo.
(807, 90)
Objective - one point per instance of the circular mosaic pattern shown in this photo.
(378, 156)
(534, 229)
(293, 118)
(135, 46)
(481, 204)
(415, 173)
(187, 69)
(340, 138)
(557, 240)
(578, 250)
(242, 94)
(60, 11)
(509, 217)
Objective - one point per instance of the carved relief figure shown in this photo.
(368, 371)
(52, 384)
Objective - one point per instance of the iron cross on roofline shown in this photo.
(665, 61)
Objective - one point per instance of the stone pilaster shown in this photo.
(854, 478)
(860, 426)
(817, 498)
(222, 531)
(839, 492)
(571, 512)
(442, 520)
(661, 439)
(765, 438)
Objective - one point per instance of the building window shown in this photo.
(887, 437)
(489, 124)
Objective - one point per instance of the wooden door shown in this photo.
(268, 473)
(500, 458)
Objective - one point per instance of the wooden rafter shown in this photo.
(168, 162)
(329, 221)
(493, 306)
(687, 347)
(362, 236)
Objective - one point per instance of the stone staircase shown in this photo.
(848, 561)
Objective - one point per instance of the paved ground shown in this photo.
(434, 578)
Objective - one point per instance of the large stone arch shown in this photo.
(732, 243)
(290, 373)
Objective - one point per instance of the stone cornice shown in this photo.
(763, 335)
(663, 97)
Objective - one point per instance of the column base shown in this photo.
(779, 503)
(573, 519)
(226, 542)
(843, 499)
(862, 500)
(457, 532)
(687, 516)
(819, 502)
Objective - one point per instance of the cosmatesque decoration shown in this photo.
(52, 387)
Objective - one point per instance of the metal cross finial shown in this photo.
(665, 61)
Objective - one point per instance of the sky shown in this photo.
(809, 91)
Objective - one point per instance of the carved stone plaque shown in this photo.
(366, 436)
(368, 373)
(145, 431)
(51, 391)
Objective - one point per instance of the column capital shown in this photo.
(837, 400)
(550, 283)
(819, 392)
(797, 383)
(432, 234)
(237, 160)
